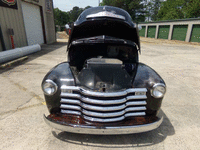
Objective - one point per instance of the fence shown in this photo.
(184, 30)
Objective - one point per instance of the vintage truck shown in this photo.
(103, 88)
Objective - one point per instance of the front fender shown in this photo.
(146, 77)
(61, 75)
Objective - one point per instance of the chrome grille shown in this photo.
(101, 106)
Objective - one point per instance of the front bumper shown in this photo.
(104, 130)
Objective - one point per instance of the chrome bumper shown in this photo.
(106, 130)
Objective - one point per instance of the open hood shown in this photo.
(104, 21)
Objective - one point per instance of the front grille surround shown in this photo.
(102, 106)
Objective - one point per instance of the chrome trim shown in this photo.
(75, 88)
(67, 80)
(105, 130)
(71, 112)
(135, 114)
(70, 107)
(51, 82)
(136, 103)
(104, 120)
(115, 114)
(103, 115)
(105, 14)
(135, 109)
(136, 97)
(102, 102)
(70, 95)
(98, 108)
(140, 93)
(70, 101)
(154, 86)
(101, 94)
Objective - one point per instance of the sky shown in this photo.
(67, 5)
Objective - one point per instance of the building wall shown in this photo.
(182, 22)
(13, 18)
(49, 25)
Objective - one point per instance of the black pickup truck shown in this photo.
(103, 88)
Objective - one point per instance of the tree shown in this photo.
(192, 9)
(106, 2)
(87, 7)
(74, 13)
(134, 7)
(179, 9)
(61, 17)
(155, 6)
(171, 9)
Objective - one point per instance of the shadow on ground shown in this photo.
(47, 48)
(120, 141)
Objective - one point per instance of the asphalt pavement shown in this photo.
(22, 102)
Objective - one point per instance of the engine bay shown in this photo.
(80, 54)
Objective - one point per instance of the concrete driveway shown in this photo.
(22, 103)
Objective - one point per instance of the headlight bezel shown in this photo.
(53, 84)
(156, 86)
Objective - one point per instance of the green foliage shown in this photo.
(74, 13)
(179, 9)
(192, 9)
(152, 8)
(171, 9)
(62, 18)
(134, 7)
(87, 7)
(140, 9)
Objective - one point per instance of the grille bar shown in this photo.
(135, 114)
(65, 88)
(101, 102)
(104, 120)
(101, 106)
(97, 108)
(71, 112)
(70, 101)
(110, 114)
(103, 115)
(70, 107)
(114, 119)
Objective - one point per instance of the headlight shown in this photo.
(158, 90)
(49, 87)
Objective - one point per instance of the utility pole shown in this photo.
(99, 2)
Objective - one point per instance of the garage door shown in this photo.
(163, 32)
(151, 31)
(33, 25)
(142, 31)
(179, 32)
(195, 37)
